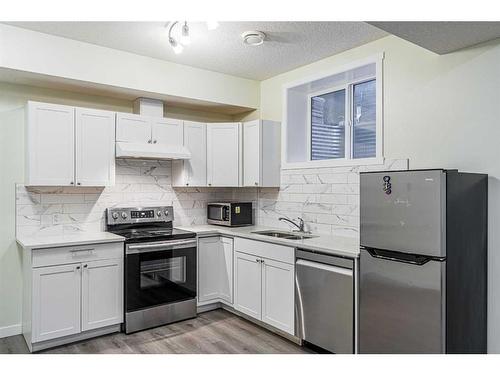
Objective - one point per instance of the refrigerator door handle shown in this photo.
(418, 260)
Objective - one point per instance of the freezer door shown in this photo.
(401, 305)
(404, 211)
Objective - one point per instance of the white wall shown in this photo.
(439, 111)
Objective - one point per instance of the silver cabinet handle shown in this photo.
(78, 183)
(256, 184)
(85, 265)
(81, 250)
(154, 141)
(149, 141)
(71, 183)
(78, 267)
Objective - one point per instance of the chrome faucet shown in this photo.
(300, 226)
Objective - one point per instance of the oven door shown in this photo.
(159, 273)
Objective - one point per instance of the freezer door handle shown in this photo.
(418, 260)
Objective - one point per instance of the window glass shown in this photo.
(328, 126)
(364, 120)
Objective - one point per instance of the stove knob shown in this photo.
(158, 213)
(114, 215)
(124, 215)
(166, 213)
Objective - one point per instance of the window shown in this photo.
(334, 137)
(334, 118)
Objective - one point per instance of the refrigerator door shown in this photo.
(401, 304)
(404, 211)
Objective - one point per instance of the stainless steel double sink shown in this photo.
(285, 235)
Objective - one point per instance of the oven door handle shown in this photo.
(171, 245)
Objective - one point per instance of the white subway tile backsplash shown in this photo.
(326, 198)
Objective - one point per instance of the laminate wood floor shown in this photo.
(213, 332)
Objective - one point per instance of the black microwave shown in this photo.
(231, 214)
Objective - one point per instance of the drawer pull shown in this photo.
(79, 251)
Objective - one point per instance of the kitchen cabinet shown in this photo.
(56, 296)
(71, 293)
(192, 172)
(261, 153)
(264, 282)
(68, 146)
(132, 128)
(215, 270)
(50, 144)
(95, 147)
(224, 154)
(102, 293)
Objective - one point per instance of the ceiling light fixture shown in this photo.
(185, 38)
(212, 25)
(178, 46)
(253, 38)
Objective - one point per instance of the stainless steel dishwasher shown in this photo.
(324, 301)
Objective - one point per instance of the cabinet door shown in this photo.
(209, 250)
(56, 301)
(195, 140)
(102, 293)
(167, 131)
(50, 150)
(251, 153)
(95, 147)
(278, 295)
(226, 270)
(247, 284)
(223, 159)
(133, 128)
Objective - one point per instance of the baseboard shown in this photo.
(12, 330)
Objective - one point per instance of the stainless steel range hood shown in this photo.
(151, 151)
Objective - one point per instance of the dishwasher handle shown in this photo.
(324, 267)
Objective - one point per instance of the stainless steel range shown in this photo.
(160, 266)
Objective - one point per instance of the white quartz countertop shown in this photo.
(81, 238)
(335, 245)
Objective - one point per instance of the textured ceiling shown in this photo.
(443, 37)
(288, 44)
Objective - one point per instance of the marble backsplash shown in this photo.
(327, 199)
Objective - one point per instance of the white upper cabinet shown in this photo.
(68, 146)
(95, 147)
(261, 153)
(166, 131)
(223, 154)
(133, 128)
(50, 146)
(192, 172)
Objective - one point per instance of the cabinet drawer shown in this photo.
(76, 254)
(265, 250)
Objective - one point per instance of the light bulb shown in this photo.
(185, 39)
(177, 48)
(212, 25)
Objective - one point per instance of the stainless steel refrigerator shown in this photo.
(423, 262)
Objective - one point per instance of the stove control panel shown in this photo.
(130, 215)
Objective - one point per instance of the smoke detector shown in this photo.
(253, 38)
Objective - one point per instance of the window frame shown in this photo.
(378, 159)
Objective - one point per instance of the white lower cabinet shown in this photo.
(248, 285)
(56, 302)
(215, 270)
(71, 291)
(278, 294)
(264, 287)
(102, 293)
